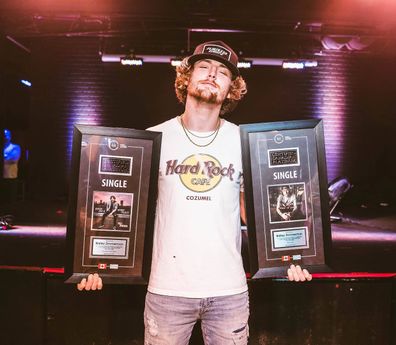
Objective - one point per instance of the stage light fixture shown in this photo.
(176, 62)
(131, 61)
(310, 63)
(244, 64)
(293, 65)
(299, 64)
(250, 62)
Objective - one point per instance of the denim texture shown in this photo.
(169, 320)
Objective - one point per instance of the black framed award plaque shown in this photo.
(113, 191)
(286, 196)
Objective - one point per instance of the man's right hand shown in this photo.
(93, 282)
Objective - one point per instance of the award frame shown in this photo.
(286, 197)
(113, 192)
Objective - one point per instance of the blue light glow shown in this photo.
(26, 82)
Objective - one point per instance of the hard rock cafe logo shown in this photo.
(199, 172)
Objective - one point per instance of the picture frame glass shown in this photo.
(111, 205)
(285, 192)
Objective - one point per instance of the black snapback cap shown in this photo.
(219, 51)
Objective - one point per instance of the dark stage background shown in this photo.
(352, 93)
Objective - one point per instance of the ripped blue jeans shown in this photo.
(170, 320)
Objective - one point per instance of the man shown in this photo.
(11, 155)
(286, 204)
(197, 271)
(111, 210)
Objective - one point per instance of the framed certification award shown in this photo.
(286, 196)
(112, 204)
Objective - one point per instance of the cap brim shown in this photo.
(194, 58)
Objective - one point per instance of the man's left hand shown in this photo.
(297, 274)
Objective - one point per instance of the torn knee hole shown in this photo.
(152, 327)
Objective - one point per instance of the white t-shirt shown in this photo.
(197, 239)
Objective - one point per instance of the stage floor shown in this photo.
(364, 241)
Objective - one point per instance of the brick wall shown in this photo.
(352, 94)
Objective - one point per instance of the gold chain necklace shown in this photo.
(186, 131)
(200, 136)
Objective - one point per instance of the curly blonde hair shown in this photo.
(237, 89)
